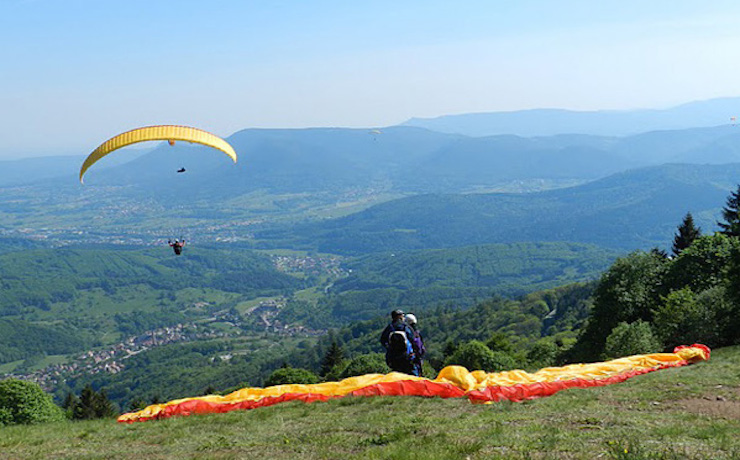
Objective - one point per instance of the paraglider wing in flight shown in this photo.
(169, 133)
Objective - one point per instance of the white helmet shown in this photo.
(410, 318)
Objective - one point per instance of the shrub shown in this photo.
(26, 403)
(365, 364)
(475, 355)
(543, 353)
(631, 339)
(287, 375)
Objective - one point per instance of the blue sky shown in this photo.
(75, 72)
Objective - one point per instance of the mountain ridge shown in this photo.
(549, 121)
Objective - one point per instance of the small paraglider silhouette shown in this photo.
(374, 133)
(177, 245)
(733, 120)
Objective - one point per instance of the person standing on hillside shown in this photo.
(396, 338)
(417, 341)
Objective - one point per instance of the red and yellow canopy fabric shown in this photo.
(452, 382)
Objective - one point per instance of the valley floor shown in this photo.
(684, 413)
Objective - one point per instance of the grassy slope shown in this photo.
(674, 413)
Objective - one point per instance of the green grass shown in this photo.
(243, 306)
(671, 414)
(8, 367)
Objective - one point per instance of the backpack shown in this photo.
(400, 354)
(418, 344)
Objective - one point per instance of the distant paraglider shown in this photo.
(375, 133)
(177, 246)
(733, 120)
(169, 133)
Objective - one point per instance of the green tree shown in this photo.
(373, 363)
(333, 357)
(475, 355)
(500, 341)
(731, 215)
(702, 265)
(26, 403)
(70, 401)
(288, 375)
(629, 291)
(449, 349)
(543, 353)
(631, 339)
(730, 317)
(687, 233)
(677, 317)
(719, 310)
(92, 405)
(137, 404)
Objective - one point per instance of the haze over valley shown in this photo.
(228, 206)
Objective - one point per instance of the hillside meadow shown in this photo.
(683, 413)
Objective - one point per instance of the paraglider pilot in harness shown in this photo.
(177, 246)
(399, 350)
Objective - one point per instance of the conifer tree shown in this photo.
(334, 356)
(687, 233)
(731, 215)
(84, 409)
(103, 406)
(92, 405)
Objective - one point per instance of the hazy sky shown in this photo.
(75, 72)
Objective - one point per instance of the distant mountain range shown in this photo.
(300, 175)
(629, 210)
(548, 122)
(400, 159)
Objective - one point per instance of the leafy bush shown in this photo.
(287, 375)
(631, 339)
(6, 417)
(365, 364)
(543, 353)
(475, 355)
(26, 403)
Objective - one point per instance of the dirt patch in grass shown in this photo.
(713, 405)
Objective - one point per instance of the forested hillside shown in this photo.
(507, 268)
(634, 209)
(40, 278)
(82, 296)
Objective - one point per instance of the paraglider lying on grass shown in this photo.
(169, 133)
(452, 382)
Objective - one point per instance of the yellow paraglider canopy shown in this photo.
(170, 133)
